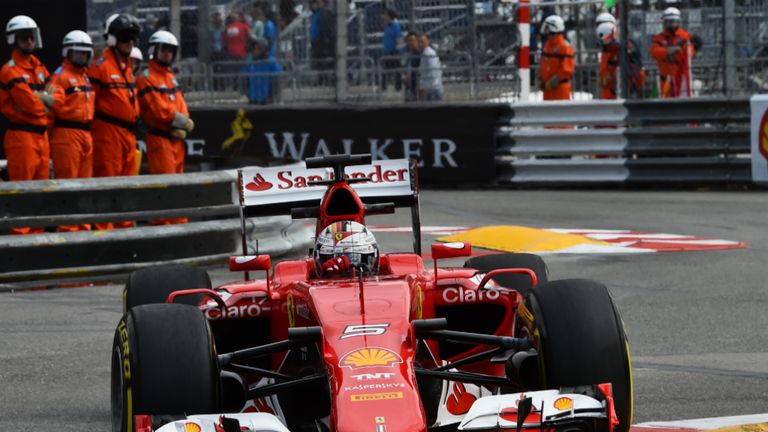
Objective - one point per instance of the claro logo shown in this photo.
(763, 135)
(248, 310)
(461, 295)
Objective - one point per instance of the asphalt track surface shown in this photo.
(697, 321)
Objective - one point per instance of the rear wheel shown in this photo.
(581, 340)
(163, 362)
(154, 284)
(520, 282)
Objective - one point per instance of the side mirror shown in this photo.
(244, 263)
(451, 250)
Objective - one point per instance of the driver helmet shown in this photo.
(350, 239)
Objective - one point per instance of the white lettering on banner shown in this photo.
(322, 149)
(287, 148)
(462, 295)
(440, 154)
(411, 152)
(288, 145)
(195, 147)
(373, 376)
(376, 152)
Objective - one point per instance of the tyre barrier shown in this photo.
(621, 142)
(207, 199)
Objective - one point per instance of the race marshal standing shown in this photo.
(557, 61)
(164, 110)
(117, 107)
(71, 143)
(24, 103)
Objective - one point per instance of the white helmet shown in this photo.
(606, 32)
(350, 239)
(136, 54)
(604, 18)
(22, 23)
(553, 24)
(162, 37)
(671, 14)
(76, 40)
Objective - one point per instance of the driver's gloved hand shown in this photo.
(336, 266)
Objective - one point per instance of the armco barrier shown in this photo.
(625, 142)
(208, 199)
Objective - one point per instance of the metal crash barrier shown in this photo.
(625, 142)
(207, 199)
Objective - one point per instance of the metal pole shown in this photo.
(176, 22)
(342, 11)
(524, 53)
(474, 74)
(623, 6)
(729, 46)
(203, 30)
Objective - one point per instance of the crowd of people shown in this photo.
(672, 49)
(84, 117)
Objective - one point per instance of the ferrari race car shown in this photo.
(384, 344)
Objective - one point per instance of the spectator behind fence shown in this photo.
(322, 36)
(392, 36)
(236, 37)
(557, 62)
(263, 27)
(287, 12)
(262, 74)
(610, 62)
(672, 49)
(412, 60)
(430, 72)
(24, 103)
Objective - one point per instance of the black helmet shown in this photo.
(121, 27)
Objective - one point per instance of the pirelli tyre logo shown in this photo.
(376, 396)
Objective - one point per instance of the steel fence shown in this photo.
(731, 59)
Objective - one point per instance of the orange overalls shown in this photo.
(674, 74)
(114, 123)
(25, 142)
(557, 60)
(609, 62)
(71, 143)
(160, 98)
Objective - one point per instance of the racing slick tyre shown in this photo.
(163, 363)
(520, 282)
(154, 284)
(582, 340)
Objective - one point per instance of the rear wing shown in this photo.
(274, 191)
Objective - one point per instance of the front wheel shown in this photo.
(163, 362)
(581, 340)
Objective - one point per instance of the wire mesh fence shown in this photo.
(477, 43)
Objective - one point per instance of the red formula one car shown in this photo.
(350, 339)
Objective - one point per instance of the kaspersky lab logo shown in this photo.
(763, 135)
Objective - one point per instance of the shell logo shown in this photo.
(563, 403)
(192, 427)
(370, 357)
(763, 144)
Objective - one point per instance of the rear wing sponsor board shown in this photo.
(275, 190)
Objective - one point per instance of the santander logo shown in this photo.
(460, 401)
(258, 184)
